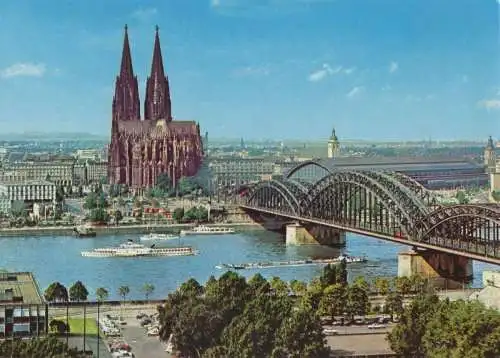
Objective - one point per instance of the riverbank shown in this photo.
(118, 229)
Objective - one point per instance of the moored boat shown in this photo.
(132, 249)
(84, 231)
(158, 237)
(208, 230)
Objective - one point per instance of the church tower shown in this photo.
(333, 145)
(157, 103)
(126, 103)
(490, 156)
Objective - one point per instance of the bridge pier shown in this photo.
(297, 234)
(444, 270)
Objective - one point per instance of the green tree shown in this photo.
(186, 185)
(91, 201)
(18, 209)
(99, 215)
(123, 291)
(178, 214)
(403, 285)
(463, 329)
(56, 292)
(259, 285)
(298, 287)
(406, 337)
(101, 294)
(341, 273)
(333, 301)
(40, 347)
(148, 289)
(191, 288)
(301, 336)
(394, 303)
(78, 292)
(382, 285)
(329, 275)
(278, 286)
(358, 302)
(164, 183)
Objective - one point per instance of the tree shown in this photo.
(406, 337)
(298, 287)
(58, 326)
(78, 292)
(278, 286)
(329, 275)
(342, 273)
(187, 185)
(191, 288)
(101, 294)
(358, 302)
(403, 285)
(463, 329)
(90, 201)
(118, 216)
(382, 285)
(164, 183)
(301, 336)
(333, 302)
(40, 347)
(18, 209)
(56, 292)
(99, 215)
(394, 303)
(123, 291)
(148, 289)
(178, 214)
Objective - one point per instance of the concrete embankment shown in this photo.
(116, 230)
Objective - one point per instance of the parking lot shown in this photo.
(142, 345)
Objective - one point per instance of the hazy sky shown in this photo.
(374, 69)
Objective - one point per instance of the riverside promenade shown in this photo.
(117, 229)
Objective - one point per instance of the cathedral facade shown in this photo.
(142, 149)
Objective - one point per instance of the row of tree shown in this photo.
(57, 292)
(38, 348)
(195, 213)
(429, 327)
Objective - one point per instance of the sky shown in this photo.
(281, 69)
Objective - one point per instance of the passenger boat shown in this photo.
(132, 249)
(208, 230)
(158, 237)
(84, 231)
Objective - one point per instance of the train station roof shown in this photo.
(399, 163)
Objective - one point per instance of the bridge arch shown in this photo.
(339, 187)
(308, 163)
(274, 194)
(473, 228)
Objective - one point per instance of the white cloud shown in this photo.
(214, 3)
(490, 104)
(145, 14)
(355, 91)
(348, 71)
(24, 69)
(325, 71)
(393, 67)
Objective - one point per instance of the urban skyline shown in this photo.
(239, 68)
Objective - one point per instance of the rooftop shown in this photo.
(28, 183)
(19, 287)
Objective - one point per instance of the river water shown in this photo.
(59, 259)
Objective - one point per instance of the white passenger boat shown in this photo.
(158, 237)
(208, 230)
(132, 249)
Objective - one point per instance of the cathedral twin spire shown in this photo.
(126, 103)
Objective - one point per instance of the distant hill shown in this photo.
(51, 136)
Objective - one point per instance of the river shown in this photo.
(59, 259)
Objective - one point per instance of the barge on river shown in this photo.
(132, 249)
(308, 262)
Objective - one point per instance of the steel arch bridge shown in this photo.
(385, 205)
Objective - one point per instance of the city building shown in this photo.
(333, 145)
(5, 205)
(58, 169)
(90, 172)
(141, 150)
(234, 171)
(23, 312)
(88, 154)
(29, 191)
